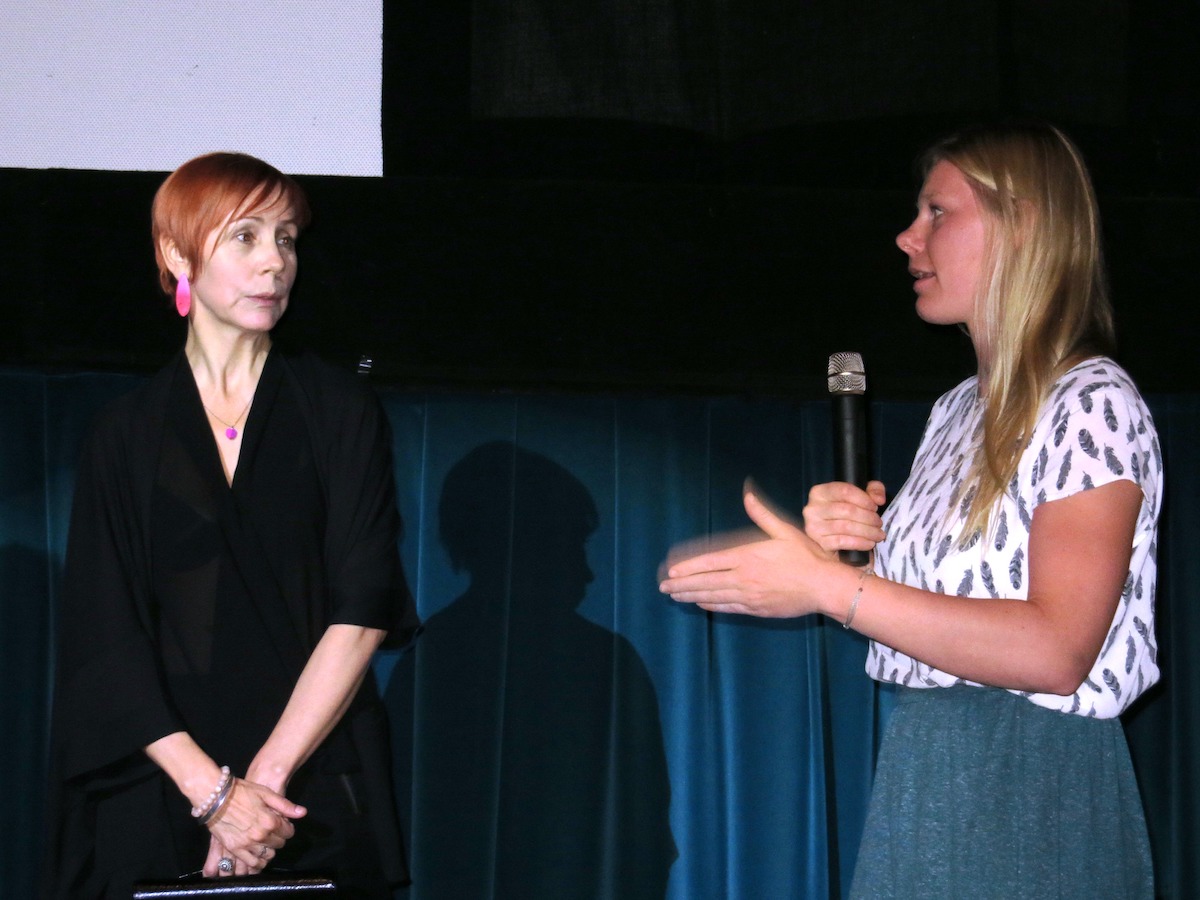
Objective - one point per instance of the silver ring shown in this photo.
(225, 865)
(262, 854)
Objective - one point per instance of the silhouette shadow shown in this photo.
(529, 750)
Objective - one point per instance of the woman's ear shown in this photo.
(175, 260)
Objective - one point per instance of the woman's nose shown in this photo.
(907, 240)
(272, 257)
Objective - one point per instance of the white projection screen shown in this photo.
(144, 86)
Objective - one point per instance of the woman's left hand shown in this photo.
(218, 851)
(770, 578)
(252, 825)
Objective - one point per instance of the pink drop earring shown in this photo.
(183, 296)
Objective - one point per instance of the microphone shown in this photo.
(847, 384)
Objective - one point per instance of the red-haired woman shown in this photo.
(231, 568)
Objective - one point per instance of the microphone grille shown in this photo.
(846, 375)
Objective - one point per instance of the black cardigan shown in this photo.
(112, 697)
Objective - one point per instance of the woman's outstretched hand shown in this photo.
(775, 577)
(254, 824)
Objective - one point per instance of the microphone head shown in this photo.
(846, 374)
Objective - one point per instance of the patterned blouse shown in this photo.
(1095, 429)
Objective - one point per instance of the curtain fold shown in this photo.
(560, 728)
(25, 624)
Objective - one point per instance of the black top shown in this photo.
(192, 604)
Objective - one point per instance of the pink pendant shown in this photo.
(231, 433)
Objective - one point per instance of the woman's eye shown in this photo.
(244, 237)
(935, 212)
(287, 240)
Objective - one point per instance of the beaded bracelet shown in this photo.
(207, 805)
(219, 804)
(862, 579)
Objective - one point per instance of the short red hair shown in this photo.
(205, 192)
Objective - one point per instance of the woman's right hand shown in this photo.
(841, 516)
(254, 823)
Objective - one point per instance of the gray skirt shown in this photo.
(979, 793)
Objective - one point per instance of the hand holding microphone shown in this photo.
(847, 386)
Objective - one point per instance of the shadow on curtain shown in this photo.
(549, 778)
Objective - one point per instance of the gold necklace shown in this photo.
(231, 431)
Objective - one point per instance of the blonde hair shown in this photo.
(1042, 302)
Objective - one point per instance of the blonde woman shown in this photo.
(1014, 573)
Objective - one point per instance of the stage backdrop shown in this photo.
(561, 729)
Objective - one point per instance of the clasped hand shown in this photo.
(784, 574)
(250, 830)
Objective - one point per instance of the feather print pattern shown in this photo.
(964, 586)
(1087, 445)
(1001, 531)
(1144, 631)
(1016, 569)
(989, 583)
(1114, 464)
(1064, 471)
(1066, 388)
(1093, 430)
(966, 502)
(1023, 512)
(1111, 639)
(1110, 680)
(1039, 467)
(1061, 431)
(1110, 417)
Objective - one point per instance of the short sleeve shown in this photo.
(1096, 430)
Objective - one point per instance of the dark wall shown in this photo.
(544, 284)
(662, 194)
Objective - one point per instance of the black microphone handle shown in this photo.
(850, 454)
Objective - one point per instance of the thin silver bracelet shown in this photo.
(222, 798)
(862, 579)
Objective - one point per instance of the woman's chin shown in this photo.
(934, 313)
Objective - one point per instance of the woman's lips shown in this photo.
(922, 277)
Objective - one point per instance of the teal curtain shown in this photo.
(25, 626)
(43, 421)
(560, 728)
